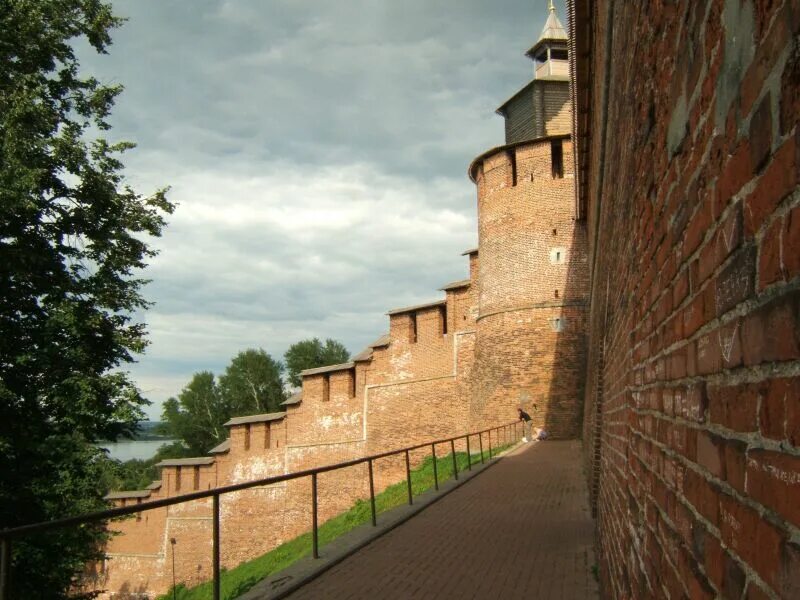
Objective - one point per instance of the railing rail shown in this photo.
(6, 535)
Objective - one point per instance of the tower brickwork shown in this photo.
(533, 275)
(532, 287)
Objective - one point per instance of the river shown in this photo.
(130, 449)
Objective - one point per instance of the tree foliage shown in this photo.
(250, 385)
(72, 238)
(197, 415)
(309, 354)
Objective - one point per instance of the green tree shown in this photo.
(197, 415)
(72, 238)
(252, 383)
(309, 354)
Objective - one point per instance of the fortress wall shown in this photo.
(536, 368)
(693, 415)
(533, 286)
(429, 355)
(460, 316)
(329, 412)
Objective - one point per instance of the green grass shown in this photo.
(241, 578)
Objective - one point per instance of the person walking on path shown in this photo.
(526, 420)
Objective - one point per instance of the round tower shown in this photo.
(533, 266)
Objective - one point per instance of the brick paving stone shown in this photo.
(522, 529)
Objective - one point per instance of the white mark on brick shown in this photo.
(787, 477)
(726, 345)
(728, 236)
(702, 346)
(731, 521)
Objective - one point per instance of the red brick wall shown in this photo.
(519, 359)
(692, 422)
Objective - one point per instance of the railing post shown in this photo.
(435, 470)
(455, 462)
(5, 568)
(480, 445)
(408, 479)
(372, 495)
(490, 444)
(469, 456)
(314, 539)
(215, 547)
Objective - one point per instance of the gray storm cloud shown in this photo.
(317, 151)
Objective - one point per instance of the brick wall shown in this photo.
(533, 281)
(691, 200)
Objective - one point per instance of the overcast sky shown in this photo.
(317, 152)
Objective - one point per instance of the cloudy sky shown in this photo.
(318, 154)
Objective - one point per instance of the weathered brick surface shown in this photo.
(690, 420)
(533, 280)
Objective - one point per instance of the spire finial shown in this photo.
(552, 7)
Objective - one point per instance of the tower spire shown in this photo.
(552, 7)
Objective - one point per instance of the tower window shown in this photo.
(558, 54)
(326, 387)
(267, 431)
(247, 437)
(512, 157)
(558, 256)
(443, 317)
(413, 334)
(557, 158)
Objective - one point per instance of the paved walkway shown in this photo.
(522, 529)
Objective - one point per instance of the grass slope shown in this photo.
(241, 578)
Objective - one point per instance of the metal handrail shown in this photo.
(6, 535)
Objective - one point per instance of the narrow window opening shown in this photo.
(443, 317)
(247, 437)
(413, 334)
(557, 158)
(267, 431)
(556, 293)
(512, 157)
(326, 388)
(558, 257)
(555, 232)
(352, 383)
(196, 482)
(178, 479)
(138, 515)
